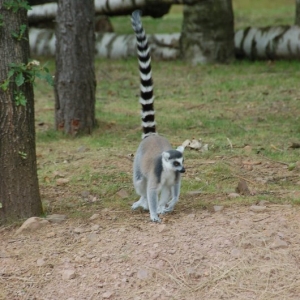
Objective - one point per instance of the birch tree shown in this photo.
(279, 42)
(19, 190)
(75, 82)
(207, 32)
(155, 8)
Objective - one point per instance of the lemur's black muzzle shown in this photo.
(182, 170)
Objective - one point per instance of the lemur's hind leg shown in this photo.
(141, 189)
(165, 197)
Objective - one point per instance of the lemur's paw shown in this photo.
(167, 210)
(160, 210)
(155, 219)
(135, 205)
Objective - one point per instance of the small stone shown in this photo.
(218, 208)
(235, 253)
(95, 227)
(85, 194)
(191, 272)
(4, 254)
(32, 224)
(198, 192)
(153, 254)
(107, 295)
(93, 237)
(247, 149)
(62, 181)
(122, 194)
(246, 245)
(258, 208)
(233, 195)
(81, 149)
(56, 218)
(40, 262)
(172, 251)
(279, 244)
(160, 264)
(50, 234)
(142, 274)
(68, 274)
(263, 203)
(162, 227)
(79, 230)
(94, 217)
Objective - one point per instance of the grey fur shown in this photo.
(154, 175)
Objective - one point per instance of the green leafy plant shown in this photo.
(25, 73)
(20, 35)
(20, 98)
(15, 5)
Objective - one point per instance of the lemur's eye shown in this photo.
(176, 163)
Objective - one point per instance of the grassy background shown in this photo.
(246, 13)
(252, 104)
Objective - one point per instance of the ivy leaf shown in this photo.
(19, 79)
(4, 85)
(10, 73)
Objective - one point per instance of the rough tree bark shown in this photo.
(207, 32)
(297, 17)
(75, 81)
(19, 190)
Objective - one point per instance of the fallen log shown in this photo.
(108, 45)
(280, 42)
(47, 12)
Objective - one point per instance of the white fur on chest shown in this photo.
(168, 178)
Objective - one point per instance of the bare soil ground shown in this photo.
(232, 254)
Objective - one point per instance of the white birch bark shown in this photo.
(47, 12)
(109, 45)
(281, 42)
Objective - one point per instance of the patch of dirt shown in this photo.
(237, 253)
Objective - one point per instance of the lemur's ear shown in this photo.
(180, 149)
(166, 155)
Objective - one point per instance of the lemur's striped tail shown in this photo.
(146, 97)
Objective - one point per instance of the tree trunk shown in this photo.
(207, 32)
(19, 190)
(297, 17)
(75, 82)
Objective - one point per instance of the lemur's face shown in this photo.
(173, 160)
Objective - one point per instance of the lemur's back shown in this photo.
(148, 151)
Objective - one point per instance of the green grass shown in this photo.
(246, 13)
(228, 106)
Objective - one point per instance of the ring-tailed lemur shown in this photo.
(157, 167)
